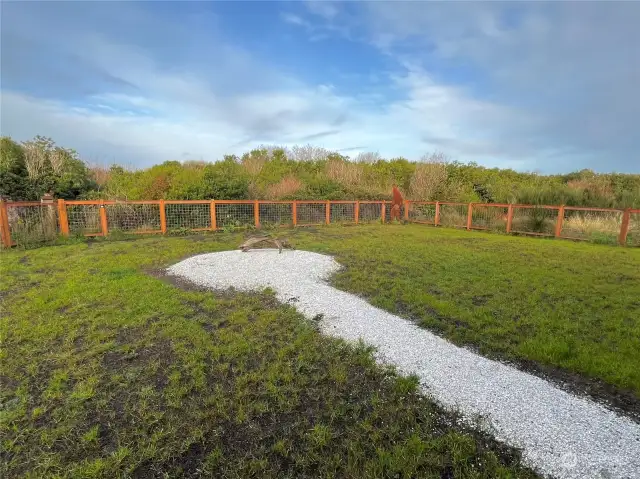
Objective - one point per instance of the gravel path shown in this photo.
(561, 435)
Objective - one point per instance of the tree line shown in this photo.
(32, 168)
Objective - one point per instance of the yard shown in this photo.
(109, 368)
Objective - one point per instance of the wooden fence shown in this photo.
(33, 222)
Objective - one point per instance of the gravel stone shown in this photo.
(561, 435)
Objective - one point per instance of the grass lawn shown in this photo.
(568, 305)
(109, 371)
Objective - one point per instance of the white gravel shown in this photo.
(561, 435)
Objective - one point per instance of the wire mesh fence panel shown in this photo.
(489, 217)
(422, 212)
(133, 217)
(534, 220)
(311, 213)
(84, 219)
(370, 212)
(276, 214)
(234, 215)
(195, 216)
(633, 235)
(454, 214)
(600, 226)
(343, 212)
(32, 224)
(387, 212)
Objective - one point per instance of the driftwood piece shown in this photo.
(254, 241)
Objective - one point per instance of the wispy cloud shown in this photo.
(504, 87)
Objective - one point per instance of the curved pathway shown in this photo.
(560, 434)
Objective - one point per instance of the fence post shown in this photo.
(212, 213)
(406, 210)
(328, 212)
(383, 212)
(62, 218)
(509, 218)
(469, 216)
(624, 227)
(356, 211)
(4, 225)
(103, 219)
(437, 218)
(559, 221)
(294, 212)
(256, 213)
(163, 217)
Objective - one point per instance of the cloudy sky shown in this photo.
(546, 87)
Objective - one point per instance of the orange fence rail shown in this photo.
(25, 222)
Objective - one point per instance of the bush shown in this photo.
(32, 168)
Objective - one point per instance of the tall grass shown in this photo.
(286, 188)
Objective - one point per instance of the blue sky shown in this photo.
(547, 87)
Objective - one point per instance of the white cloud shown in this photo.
(294, 19)
(151, 110)
(570, 68)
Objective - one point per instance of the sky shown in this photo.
(545, 87)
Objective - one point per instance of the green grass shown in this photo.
(568, 305)
(108, 371)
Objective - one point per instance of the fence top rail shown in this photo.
(10, 204)
(453, 203)
(583, 208)
(543, 207)
(87, 202)
(634, 211)
(418, 202)
(187, 202)
(134, 202)
(494, 205)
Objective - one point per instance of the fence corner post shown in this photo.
(103, 219)
(509, 217)
(212, 214)
(624, 227)
(383, 212)
(294, 212)
(406, 210)
(62, 218)
(328, 212)
(559, 221)
(256, 213)
(436, 220)
(469, 216)
(163, 217)
(356, 212)
(5, 231)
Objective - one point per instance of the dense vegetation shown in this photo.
(29, 169)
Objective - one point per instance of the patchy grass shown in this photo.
(542, 302)
(108, 371)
